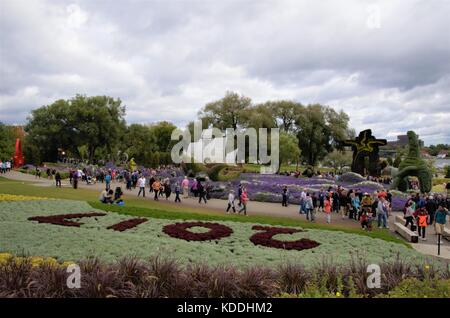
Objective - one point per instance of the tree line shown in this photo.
(94, 128)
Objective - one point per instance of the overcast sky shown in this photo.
(385, 63)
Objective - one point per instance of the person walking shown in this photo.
(195, 187)
(201, 193)
(58, 179)
(141, 184)
(185, 186)
(422, 223)
(167, 188)
(244, 199)
(327, 207)
(309, 208)
(382, 211)
(108, 181)
(231, 199)
(355, 206)
(150, 183)
(285, 195)
(302, 202)
(440, 219)
(177, 192)
(431, 207)
(240, 195)
(409, 215)
(321, 200)
(156, 187)
(76, 176)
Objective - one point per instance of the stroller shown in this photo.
(90, 180)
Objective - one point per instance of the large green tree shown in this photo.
(285, 113)
(228, 112)
(320, 129)
(289, 150)
(139, 143)
(162, 132)
(94, 122)
(6, 142)
(338, 160)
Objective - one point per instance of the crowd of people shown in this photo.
(352, 204)
(5, 166)
(420, 211)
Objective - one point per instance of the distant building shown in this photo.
(402, 141)
(425, 154)
(442, 154)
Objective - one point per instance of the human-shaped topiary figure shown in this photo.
(413, 165)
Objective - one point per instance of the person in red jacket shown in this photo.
(422, 222)
(244, 200)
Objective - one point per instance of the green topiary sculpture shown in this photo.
(413, 165)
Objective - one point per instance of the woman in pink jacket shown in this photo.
(327, 206)
(244, 199)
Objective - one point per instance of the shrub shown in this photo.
(414, 288)
(213, 171)
(447, 171)
(164, 277)
(352, 177)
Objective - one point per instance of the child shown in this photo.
(422, 222)
(366, 221)
(327, 207)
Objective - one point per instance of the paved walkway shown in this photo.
(428, 247)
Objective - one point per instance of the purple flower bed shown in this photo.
(268, 188)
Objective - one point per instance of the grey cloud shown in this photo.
(166, 59)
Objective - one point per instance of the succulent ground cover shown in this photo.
(101, 236)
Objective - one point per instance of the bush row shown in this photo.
(63, 174)
(159, 277)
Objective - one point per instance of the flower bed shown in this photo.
(63, 219)
(126, 225)
(180, 230)
(268, 188)
(236, 245)
(12, 197)
(265, 238)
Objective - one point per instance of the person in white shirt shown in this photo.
(231, 199)
(141, 184)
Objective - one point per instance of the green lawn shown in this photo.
(139, 207)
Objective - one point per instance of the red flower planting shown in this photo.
(180, 230)
(265, 238)
(63, 219)
(128, 224)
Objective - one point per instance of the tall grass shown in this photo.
(165, 277)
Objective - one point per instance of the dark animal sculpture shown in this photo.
(366, 145)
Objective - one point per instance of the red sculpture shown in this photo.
(18, 155)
